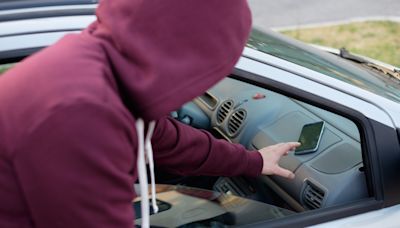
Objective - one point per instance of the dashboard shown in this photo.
(256, 117)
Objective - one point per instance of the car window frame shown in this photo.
(367, 128)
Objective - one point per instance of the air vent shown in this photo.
(313, 196)
(224, 110)
(235, 121)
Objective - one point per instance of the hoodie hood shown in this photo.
(165, 53)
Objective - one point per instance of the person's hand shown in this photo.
(271, 156)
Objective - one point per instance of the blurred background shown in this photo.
(367, 27)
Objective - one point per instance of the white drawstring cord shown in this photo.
(145, 144)
(149, 151)
(141, 165)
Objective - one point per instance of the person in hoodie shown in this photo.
(77, 117)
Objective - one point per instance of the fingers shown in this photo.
(292, 145)
(284, 173)
(271, 156)
(284, 148)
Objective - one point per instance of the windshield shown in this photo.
(325, 63)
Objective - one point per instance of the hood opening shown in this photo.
(165, 53)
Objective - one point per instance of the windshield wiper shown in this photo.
(393, 73)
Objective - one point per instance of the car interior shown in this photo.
(329, 169)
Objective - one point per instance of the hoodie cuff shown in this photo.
(254, 164)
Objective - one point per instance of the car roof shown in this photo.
(19, 4)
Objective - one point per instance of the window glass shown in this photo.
(333, 66)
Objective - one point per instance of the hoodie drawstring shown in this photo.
(149, 151)
(144, 146)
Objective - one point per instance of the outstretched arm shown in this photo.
(181, 149)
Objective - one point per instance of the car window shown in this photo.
(255, 117)
(325, 63)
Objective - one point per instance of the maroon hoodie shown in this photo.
(68, 142)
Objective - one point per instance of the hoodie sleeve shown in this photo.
(184, 150)
(75, 168)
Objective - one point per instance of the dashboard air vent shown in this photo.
(224, 110)
(313, 196)
(236, 120)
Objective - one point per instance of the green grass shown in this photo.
(5, 67)
(376, 39)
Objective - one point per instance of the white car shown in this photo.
(343, 108)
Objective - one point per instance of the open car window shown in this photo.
(256, 117)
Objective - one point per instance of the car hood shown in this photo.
(165, 53)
